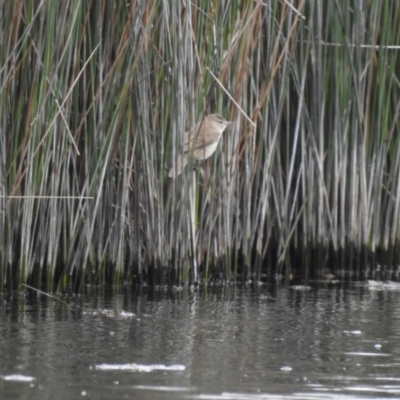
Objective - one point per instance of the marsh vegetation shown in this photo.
(95, 97)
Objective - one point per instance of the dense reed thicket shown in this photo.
(96, 95)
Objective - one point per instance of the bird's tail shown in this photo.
(180, 164)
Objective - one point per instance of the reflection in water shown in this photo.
(230, 343)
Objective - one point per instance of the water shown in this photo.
(264, 343)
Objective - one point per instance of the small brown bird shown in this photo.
(200, 141)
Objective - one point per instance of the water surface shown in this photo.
(230, 343)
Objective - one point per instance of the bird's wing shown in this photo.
(195, 139)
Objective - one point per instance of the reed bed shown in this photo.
(96, 95)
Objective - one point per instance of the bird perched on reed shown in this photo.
(200, 141)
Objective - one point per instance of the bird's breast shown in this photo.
(205, 151)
